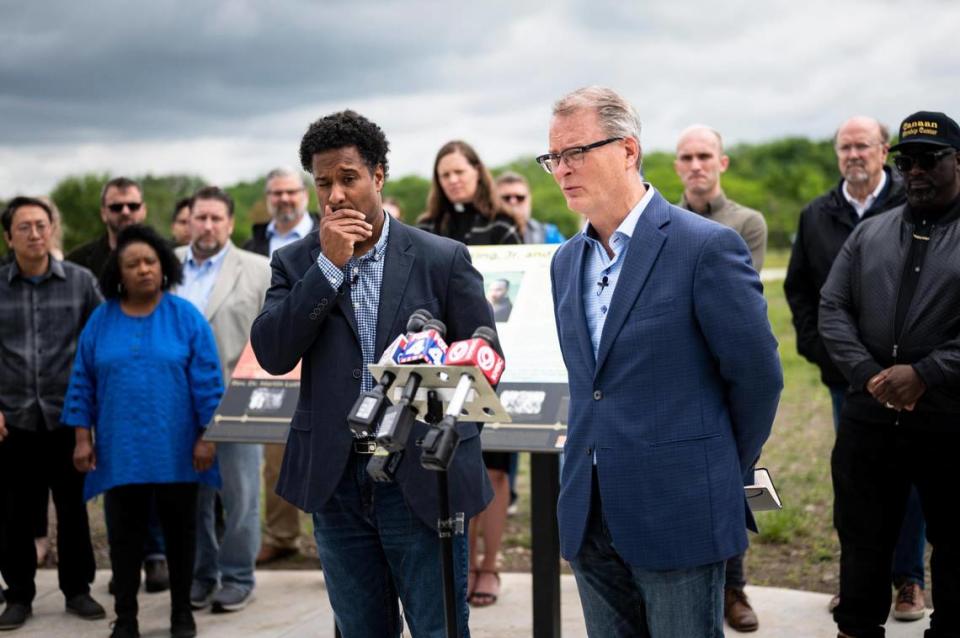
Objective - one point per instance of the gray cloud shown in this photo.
(225, 88)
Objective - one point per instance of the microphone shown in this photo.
(425, 347)
(603, 283)
(482, 350)
(368, 409)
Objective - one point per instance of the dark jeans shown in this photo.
(621, 601)
(874, 467)
(374, 550)
(153, 546)
(734, 577)
(128, 514)
(29, 461)
(908, 554)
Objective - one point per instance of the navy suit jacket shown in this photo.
(304, 318)
(680, 398)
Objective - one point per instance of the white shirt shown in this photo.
(868, 202)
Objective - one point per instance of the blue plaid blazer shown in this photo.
(680, 398)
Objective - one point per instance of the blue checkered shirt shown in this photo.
(597, 298)
(365, 275)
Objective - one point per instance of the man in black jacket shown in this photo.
(889, 320)
(867, 188)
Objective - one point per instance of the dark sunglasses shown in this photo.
(118, 208)
(511, 197)
(926, 161)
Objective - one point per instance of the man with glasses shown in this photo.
(121, 205)
(289, 221)
(867, 188)
(674, 383)
(514, 192)
(44, 304)
(888, 318)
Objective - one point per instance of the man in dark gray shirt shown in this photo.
(44, 304)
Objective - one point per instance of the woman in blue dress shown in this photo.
(145, 383)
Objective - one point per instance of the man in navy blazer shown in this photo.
(335, 305)
(674, 383)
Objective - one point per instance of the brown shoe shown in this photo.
(910, 604)
(738, 612)
(270, 553)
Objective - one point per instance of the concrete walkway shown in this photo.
(293, 604)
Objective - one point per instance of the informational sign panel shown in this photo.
(257, 406)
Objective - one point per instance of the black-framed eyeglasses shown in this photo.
(573, 156)
(926, 161)
(118, 207)
(513, 197)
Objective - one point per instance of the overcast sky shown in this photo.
(225, 89)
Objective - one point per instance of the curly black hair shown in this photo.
(346, 128)
(110, 278)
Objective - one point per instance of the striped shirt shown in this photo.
(601, 272)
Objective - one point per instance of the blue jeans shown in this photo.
(908, 555)
(620, 600)
(374, 550)
(232, 560)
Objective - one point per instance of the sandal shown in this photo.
(484, 598)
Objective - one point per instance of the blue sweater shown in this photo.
(148, 386)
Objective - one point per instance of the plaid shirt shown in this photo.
(39, 325)
(365, 275)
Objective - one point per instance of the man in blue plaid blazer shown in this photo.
(674, 383)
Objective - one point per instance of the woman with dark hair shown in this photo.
(463, 202)
(463, 205)
(146, 381)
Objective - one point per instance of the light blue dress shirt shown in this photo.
(601, 272)
(364, 275)
(198, 278)
(301, 230)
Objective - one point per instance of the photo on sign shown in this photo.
(502, 289)
(262, 399)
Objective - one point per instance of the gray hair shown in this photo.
(618, 118)
(511, 177)
(286, 171)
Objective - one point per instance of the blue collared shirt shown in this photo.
(301, 230)
(599, 267)
(198, 278)
(365, 276)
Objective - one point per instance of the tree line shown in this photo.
(777, 178)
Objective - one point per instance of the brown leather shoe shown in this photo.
(910, 604)
(738, 612)
(270, 553)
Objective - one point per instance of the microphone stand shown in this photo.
(472, 398)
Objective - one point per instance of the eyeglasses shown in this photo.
(513, 197)
(118, 208)
(289, 193)
(926, 161)
(846, 149)
(572, 156)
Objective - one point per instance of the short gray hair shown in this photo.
(286, 171)
(618, 118)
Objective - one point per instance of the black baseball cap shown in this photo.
(928, 127)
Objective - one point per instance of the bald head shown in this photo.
(861, 146)
(699, 163)
(701, 133)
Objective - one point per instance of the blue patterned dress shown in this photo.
(148, 386)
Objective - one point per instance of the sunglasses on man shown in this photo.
(513, 197)
(926, 161)
(118, 208)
